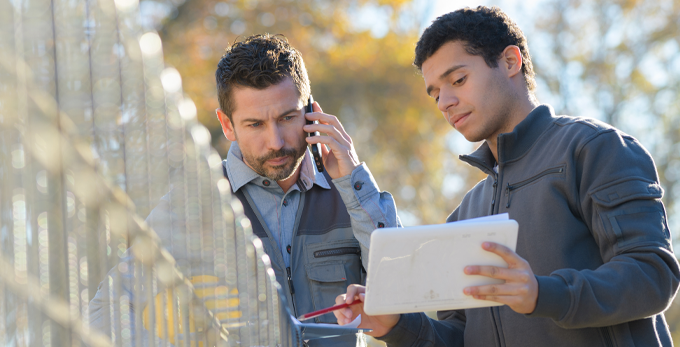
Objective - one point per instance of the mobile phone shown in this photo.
(316, 148)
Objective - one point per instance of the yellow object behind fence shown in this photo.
(217, 298)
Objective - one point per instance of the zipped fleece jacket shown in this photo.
(591, 225)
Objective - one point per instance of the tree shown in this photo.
(363, 77)
(617, 61)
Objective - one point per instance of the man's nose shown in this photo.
(275, 138)
(446, 101)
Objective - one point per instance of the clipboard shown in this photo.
(321, 330)
(312, 331)
(420, 268)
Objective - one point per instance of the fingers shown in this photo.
(497, 290)
(344, 314)
(342, 151)
(340, 299)
(330, 130)
(497, 272)
(329, 141)
(521, 302)
(520, 290)
(326, 119)
(339, 156)
(353, 292)
(316, 107)
(502, 299)
(506, 253)
(347, 315)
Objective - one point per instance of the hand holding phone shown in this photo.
(339, 156)
(316, 148)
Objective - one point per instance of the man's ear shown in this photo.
(227, 126)
(511, 60)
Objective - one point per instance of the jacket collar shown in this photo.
(514, 144)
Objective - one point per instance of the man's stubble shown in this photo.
(281, 172)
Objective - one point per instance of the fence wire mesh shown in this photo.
(117, 227)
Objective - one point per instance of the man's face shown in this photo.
(267, 125)
(474, 98)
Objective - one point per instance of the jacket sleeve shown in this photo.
(368, 207)
(419, 330)
(620, 201)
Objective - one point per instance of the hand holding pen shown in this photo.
(321, 312)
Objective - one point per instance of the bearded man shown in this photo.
(315, 226)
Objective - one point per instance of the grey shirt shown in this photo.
(367, 206)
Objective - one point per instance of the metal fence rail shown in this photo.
(117, 227)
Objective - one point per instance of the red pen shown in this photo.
(327, 310)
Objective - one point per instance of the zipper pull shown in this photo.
(493, 200)
(290, 282)
(507, 193)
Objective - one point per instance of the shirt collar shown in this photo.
(240, 174)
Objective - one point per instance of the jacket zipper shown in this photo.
(493, 198)
(511, 187)
(337, 251)
(292, 249)
(292, 289)
(497, 189)
(608, 340)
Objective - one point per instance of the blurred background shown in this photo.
(614, 60)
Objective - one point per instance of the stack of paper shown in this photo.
(420, 268)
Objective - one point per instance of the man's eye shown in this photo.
(287, 117)
(461, 80)
(255, 125)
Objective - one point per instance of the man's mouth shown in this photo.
(458, 119)
(278, 161)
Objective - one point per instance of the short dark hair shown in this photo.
(259, 61)
(484, 31)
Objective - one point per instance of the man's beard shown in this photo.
(280, 172)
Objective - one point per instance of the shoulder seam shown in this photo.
(582, 121)
(592, 137)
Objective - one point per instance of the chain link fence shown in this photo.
(117, 227)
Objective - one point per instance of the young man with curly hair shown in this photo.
(594, 265)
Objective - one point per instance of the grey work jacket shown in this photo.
(591, 225)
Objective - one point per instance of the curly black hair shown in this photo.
(485, 31)
(259, 61)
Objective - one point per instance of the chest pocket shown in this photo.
(512, 188)
(331, 267)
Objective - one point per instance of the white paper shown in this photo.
(355, 323)
(491, 218)
(419, 269)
